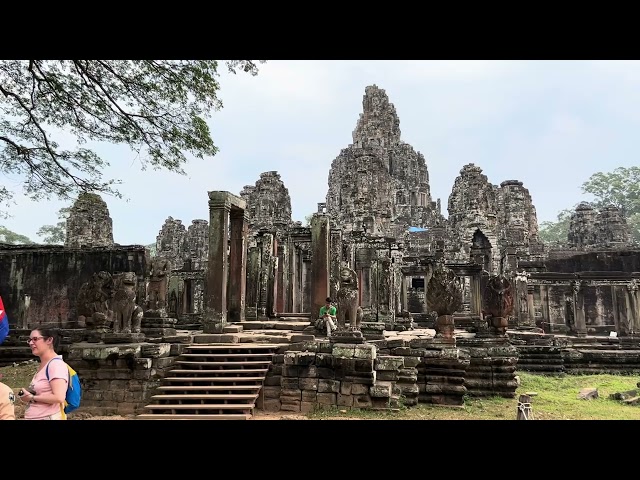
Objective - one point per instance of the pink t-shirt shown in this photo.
(41, 385)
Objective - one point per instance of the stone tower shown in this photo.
(89, 223)
(268, 203)
(379, 181)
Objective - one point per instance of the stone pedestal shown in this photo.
(492, 367)
(159, 327)
(346, 335)
(123, 337)
(373, 330)
(445, 326)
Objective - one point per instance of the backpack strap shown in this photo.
(46, 370)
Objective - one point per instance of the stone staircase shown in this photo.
(213, 382)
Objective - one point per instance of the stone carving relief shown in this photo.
(498, 302)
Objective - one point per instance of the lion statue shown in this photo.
(348, 298)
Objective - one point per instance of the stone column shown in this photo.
(403, 294)
(266, 249)
(237, 265)
(578, 308)
(272, 298)
(294, 261)
(215, 305)
(281, 293)
(320, 289)
(335, 256)
(531, 307)
(253, 282)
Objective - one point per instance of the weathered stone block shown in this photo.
(412, 361)
(306, 407)
(328, 386)
(290, 383)
(310, 371)
(389, 363)
(344, 400)
(309, 396)
(290, 406)
(361, 401)
(290, 395)
(343, 350)
(326, 398)
(142, 363)
(327, 373)
(290, 371)
(271, 392)
(363, 365)
(380, 389)
(397, 342)
(271, 404)
(308, 383)
(365, 351)
(359, 389)
(345, 388)
(305, 358)
(324, 360)
(155, 350)
(276, 380)
(163, 362)
(290, 358)
(408, 389)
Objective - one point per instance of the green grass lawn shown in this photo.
(556, 399)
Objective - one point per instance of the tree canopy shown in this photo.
(156, 107)
(620, 188)
(7, 236)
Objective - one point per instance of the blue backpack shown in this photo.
(74, 390)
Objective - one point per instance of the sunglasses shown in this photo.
(34, 339)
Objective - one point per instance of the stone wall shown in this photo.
(40, 284)
(120, 379)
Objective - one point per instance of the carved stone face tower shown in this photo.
(89, 223)
(379, 181)
(268, 203)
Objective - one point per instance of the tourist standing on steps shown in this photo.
(45, 397)
(328, 314)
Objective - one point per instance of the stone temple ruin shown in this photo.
(222, 320)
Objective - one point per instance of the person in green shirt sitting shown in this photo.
(328, 315)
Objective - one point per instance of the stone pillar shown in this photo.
(320, 289)
(282, 285)
(215, 305)
(544, 307)
(266, 252)
(253, 282)
(335, 256)
(273, 279)
(237, 265)
(578, 308)
(531, 307)
(294, 261)
(403, 294)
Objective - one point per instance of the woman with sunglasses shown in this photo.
(45, 397)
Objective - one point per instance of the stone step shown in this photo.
(203, 406)
(203, 396)
(227, 372)
(275, 325)
(224, 364)
(212, 388)
(240, 347)
(227, 355)
(217, 379)
(186, 416)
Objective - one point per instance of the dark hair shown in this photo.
(48, 332)
(328, 300)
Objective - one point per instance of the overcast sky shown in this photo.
(550, 124)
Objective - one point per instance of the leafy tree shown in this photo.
(620, 188)
(152, 249)
(156, 107)
(556, 232)
(307, 220)
(7, 236)
(55, 233)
